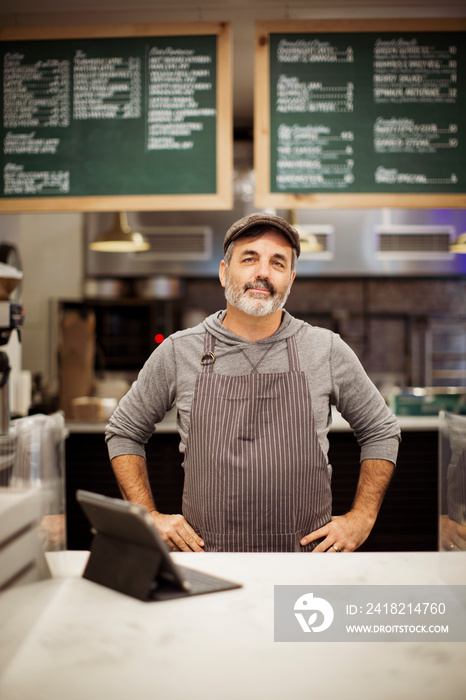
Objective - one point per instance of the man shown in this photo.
(253, 388)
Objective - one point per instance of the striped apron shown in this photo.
(256, 479)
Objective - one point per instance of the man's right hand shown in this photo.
(177, 533)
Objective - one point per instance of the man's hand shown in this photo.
(344, 533)
(452, 535)
(177, 533)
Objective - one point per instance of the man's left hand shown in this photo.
(344, 533)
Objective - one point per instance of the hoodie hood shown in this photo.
(288, 327)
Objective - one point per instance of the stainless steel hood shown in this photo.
(354, 242)
(369, 242)
(381, 242)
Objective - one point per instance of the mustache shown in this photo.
(260, 283)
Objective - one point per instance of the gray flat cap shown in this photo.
(273, 221)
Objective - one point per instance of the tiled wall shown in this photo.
(377, 317)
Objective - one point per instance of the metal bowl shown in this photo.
(107, 288)
(159, 287)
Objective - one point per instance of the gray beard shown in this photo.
(254, 306)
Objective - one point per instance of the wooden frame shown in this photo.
(264, 197)
(222, 199)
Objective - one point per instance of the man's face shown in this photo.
(259, 277)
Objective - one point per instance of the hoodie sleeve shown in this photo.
(145, 404)
(361, 404)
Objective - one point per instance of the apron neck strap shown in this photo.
(208, 357)
(293, 358)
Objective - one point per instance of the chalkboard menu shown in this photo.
(355, 113)
(116, 118)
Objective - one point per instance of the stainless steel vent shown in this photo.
(177, 243)
(438, 353)
(413, 242)
(317, 241)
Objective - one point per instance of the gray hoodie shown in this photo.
(335, 377)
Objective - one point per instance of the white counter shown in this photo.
(339, 424)
(415, 423)
(70, 639)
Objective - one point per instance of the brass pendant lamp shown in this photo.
(459, 244)
(119, 238)
(308, 240)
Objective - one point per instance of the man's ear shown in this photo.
(222, 273)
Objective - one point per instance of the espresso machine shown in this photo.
(31, 453)
(11, 323)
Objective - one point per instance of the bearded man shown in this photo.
(253, 387)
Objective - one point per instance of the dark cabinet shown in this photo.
(407, 520)
(88, 467)
(408, 517)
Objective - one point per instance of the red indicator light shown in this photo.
(159, 338)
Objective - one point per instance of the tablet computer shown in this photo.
(127, 546)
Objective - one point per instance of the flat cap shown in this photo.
(247, 222)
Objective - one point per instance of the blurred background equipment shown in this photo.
(76, 352)
(32, 497)
(11, 323)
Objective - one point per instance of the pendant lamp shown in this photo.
(119, 238)
(459, 244)
(308, 240)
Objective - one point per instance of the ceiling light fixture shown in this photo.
(119, 238)
(309, 241)
(459, 244)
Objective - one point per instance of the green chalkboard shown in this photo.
(123, 116)
(366, 112)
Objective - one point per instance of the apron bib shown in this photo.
(256, 479)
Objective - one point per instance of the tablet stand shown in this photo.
(125, 567)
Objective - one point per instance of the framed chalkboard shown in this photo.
(117, 117)
(352, 113)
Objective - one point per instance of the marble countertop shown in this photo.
(69, 638)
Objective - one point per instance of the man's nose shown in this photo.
(263, 269)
